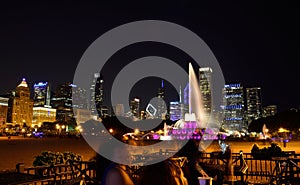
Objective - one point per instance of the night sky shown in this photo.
(256, 44)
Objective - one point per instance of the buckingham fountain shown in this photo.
(194, 120)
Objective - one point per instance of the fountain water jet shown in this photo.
(193, 119)
(195, 100)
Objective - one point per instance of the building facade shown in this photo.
(79, 97)
(41, 115)
(96, 102)
(82, 115)
(254, 108)
(205, 83)
(62, 102)
(42, 111)
(41, 95)
(175, 110)
(269, 110)
(233, 107)
(3, 111)
(20, 106)
(135, 107)
(119, 110)
(161, 105)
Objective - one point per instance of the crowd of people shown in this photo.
(181, 169)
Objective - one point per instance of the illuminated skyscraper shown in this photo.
(62, 102)
(96, 104)
(161, 105)
(42, 111)
(233, 107)
(3, 110)
(254, 109)
(80, 97)
(63, 96)
(20, 108)
(175, 110)
(135, 107)
(41, 95)
(205, 83)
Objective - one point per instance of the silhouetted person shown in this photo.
(166, 172)
(101, 164)
(115, 173)
(192, 170)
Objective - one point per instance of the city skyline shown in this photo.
(254, 43)
(176, 98)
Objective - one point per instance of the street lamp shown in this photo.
(58, 128)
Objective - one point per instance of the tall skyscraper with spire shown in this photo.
(161, 105)
(178, 109)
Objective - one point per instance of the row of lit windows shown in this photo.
(233, 118)
(228, 107)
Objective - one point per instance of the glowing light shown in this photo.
(111, 130)
(40, 84)
(282, 130)
(232, 85)
(23, 83)
(159, 132)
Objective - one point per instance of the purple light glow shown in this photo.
(155, 136)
